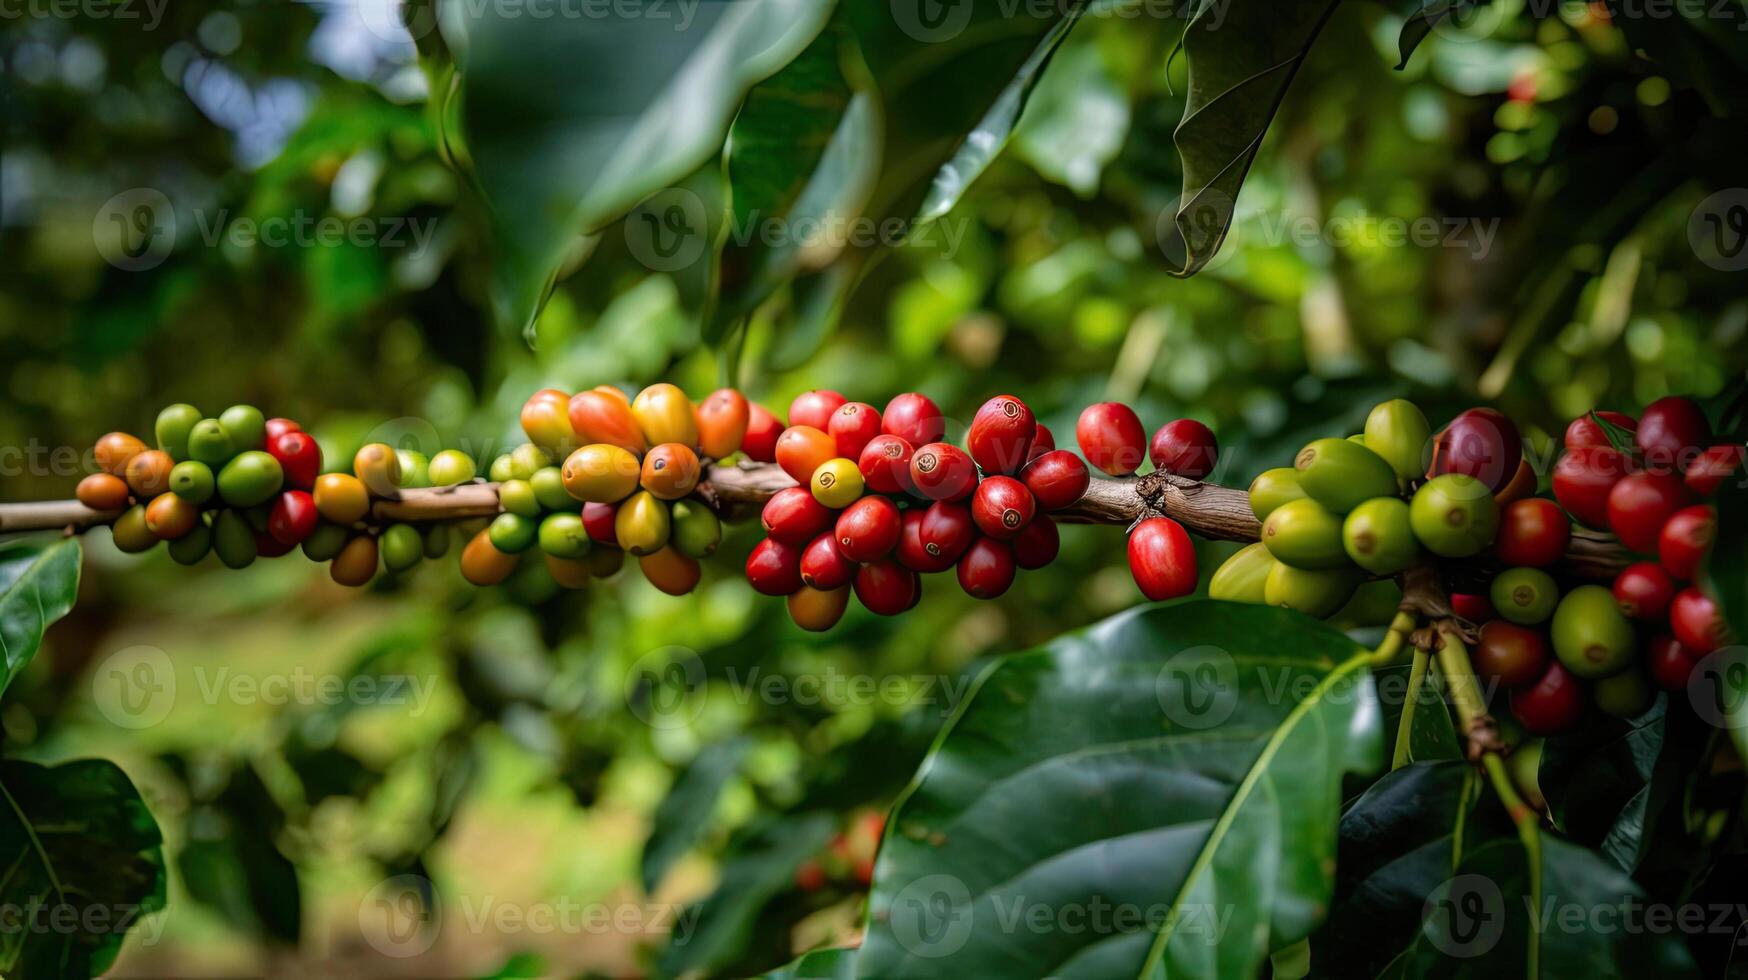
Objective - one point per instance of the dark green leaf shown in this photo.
(1432, 737)
(686, 812)
(821, 964)
(1242, 56)
(39, 578)
(1425, 19)
(84, 862)
(1723, 676)
(1178, 767)
(232, 862)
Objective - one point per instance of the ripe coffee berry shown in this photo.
(1671, 433)
(868, 529)
(1552, 704)
(942, 471)
(763, 428)
(1481, 443)
(793, 516)
(1669, 663)
(1057, 479)
(1533, 531)
(801, 449)
(722, 423)
(299, 457)
(1474, 608)
(885, 465)
(1582, 481)
(1639, 505)
(598, 521)
(1111, 438)
(1001, 434)
(1584, 430)
(1162, 559)
(911, 552)
(1697, 622)
(887, 588)
(815, 408)
(1037, 544)
(1509, 654)
(987, 569)
(1685, 539)
(913, 418)
(852, 426)
(817, 611)
(774, 567)
(823, 565)
(946, 530)
(1711, 468)
(293, 517)
(1644, 590)
(1042, 443)
(1185, 448)
(1002, 506)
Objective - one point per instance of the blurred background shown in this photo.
(521, 782)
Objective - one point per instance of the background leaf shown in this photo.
(687, 810)
(39, 578)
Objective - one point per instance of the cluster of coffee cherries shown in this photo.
(848, 860)
(244, 487)
(1646, 481)
(882, 500)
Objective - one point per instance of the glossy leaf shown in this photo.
(84, 864)
(1425, 18)
(1242, 57)
(39, 579)
(1432, 736)
(821, 964)
(1183, 759)
(686, 812)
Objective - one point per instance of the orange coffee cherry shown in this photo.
(670, 471)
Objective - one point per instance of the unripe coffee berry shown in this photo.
(836, 483)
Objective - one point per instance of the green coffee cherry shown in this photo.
(512, 533)
(325, 542)
(1624, 695)
(1525, 596)
(1397, 431)
(190, 548)
(696, 530)
(564, 536)
(450, 467)
(1378, 537)
(251, 478)
(517, 497)
(1341, 475)
(173, 427)
(246, 426)
(193, 481)
(401, 547)
(1374, 603)
(1454, 515)
(437, 541)
(1591, 637)
(1272, 488)
(548, 485)
(415, 469)
(1241, 577)
(209, 443)
(526, 459)
(1303, 534)
(233, 539)
(1313, 593)
(502, 469)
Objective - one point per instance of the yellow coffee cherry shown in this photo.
(837, 483)
(601, 473)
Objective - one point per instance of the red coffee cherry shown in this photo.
(1669, 663)
(911, 552)
(1001, 434)
(1640, 503)
(885, 465)
(268, 546)
(299, 457)
(1585, 432)
(987, 569)
(1582, 481)
(1111, 438)
(1552, 704)
(887, 588)
(278, 427)
(1509, 654)
(815, 408)
(824, 566)
(598, 521)
(852, 426)
(293, 517)
(1474, 608)
(1481, 443)
(943, 472)
(1709, 471)
(1037, 544)
(1643, 590)
(1671, 433)
(868, 529)
(1057, 479)
(1697, 622)
(1533, 531)
(1185, 448)
(913, 418)
(1685, 539)
(763, 428)
(774, 567)
(947, 530)
(1042, 443)
(1162, 559)
(1002, 507)
(794, 516)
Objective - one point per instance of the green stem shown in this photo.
(1416, 678)
(1391, 645)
